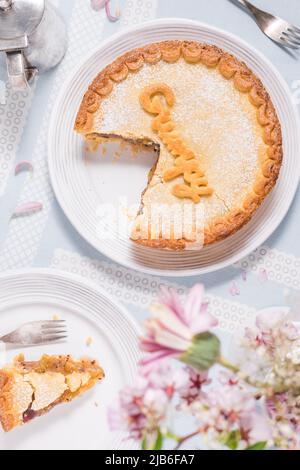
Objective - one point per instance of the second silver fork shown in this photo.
(37, 332)
(277, 29)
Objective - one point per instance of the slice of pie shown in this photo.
(31, 389)
(213, 126)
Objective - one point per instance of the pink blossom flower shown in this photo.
(285, 407)
(128, 416)
(169, 333)
(228, 378)
(277, 405)
(168, 378)
(155, 403)
(140, 409)
(271, 318)
(192, 390)
(284, 411)
(272, 323)
(232, 407)
(232, 403)
(255, 427)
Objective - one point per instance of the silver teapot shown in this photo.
(34, 38)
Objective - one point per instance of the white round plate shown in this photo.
(81, 187)
(82, 424)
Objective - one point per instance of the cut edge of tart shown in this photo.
(243, 80)
(31, 389)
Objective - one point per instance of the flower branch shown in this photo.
(252, 405)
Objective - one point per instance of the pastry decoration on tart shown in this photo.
(215, 130)
(31, 389)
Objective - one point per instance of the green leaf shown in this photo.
(144, 444)
(159, 441)
(233, 440)
(149, 444)
(257, 446)
(203, 353)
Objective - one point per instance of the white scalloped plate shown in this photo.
(39, 294)
(80, 188)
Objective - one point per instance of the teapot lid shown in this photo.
(19, 18)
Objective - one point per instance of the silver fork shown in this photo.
(275, 28)
(37, 332)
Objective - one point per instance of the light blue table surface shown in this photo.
(58, 232)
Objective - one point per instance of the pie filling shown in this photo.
(47, 390)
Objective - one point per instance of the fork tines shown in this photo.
(290, 37)
(54, 330)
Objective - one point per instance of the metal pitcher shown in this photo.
(34, 37)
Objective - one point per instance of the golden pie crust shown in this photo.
(31, 389)
(231, 69)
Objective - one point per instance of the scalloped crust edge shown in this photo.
(244, 80)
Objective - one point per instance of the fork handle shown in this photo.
(248, 5)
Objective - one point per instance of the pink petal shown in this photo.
(165, 322)
(97, 5)
(234, 289)
(159, 336)
(251, 333)
(170, 299)
(193, 303)
(169, 322)
(23, 166)
(170, 340)
(153, 361)
(111, 18)
(28, 208)
(151, 347)
(257, 425)
(204, 307)
(263, 275)
(156, 357)
(114, 419)
(204, 323)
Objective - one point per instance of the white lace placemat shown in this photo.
(14, 108)
(277, 266)
(132, 287)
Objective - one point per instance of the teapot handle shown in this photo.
(20, 75)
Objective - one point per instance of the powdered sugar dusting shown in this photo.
(216, 121)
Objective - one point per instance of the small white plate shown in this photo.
(82, 424)
(80, 187)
